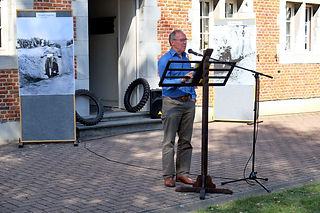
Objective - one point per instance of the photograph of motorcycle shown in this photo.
(51, 56)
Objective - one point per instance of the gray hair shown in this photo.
(173, 35)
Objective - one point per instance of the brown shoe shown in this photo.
(169, 182)
(185, 180)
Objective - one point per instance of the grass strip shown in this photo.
(305, 199)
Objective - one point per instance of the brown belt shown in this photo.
(182, 98)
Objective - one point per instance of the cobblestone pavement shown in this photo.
(122, 173)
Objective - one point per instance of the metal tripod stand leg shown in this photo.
(262, 184)
(253, 174)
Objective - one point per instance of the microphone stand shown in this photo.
(253, 174)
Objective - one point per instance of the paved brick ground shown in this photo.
(122, 173)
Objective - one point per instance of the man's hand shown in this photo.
(189, 75)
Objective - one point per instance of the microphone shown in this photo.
(198, 54)
(194, 53)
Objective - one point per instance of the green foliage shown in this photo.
(304, 199)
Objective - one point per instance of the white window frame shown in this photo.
(291, 22)
(8, 31)
(308, 27)
(1, 24)
(202, 31)
(305, 45)
(212, 15)
(217, 12)
(4, 27)
(8, 52)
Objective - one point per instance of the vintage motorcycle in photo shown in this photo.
(51, 64)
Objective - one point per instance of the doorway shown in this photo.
(103, 57)
(112, 49)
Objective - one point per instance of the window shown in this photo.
(307, 34)
(212, 10)
(204, 24)
(299, 26)
(7, 27)
(230, 8)
(1, 31)
(4, 27)
(299, 32)
(8, 59)
(289, 26)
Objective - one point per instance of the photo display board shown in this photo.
(45, 50)
(235, 40)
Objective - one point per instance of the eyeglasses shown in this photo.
(181, 40)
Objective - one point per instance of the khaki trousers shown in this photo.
(177, 118)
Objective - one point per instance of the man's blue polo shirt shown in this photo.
(174, 91)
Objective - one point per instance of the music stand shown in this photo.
(203, 77)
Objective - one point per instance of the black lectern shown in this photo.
(205, 76)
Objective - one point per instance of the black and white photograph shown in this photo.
(45, 53)
(236, 42)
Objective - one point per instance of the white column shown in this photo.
(81, 45)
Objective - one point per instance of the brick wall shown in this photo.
(9, 95)
(292, 81)
(174, 16)
(52, 4)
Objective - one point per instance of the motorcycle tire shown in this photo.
(97, 102)
(55, 69)
(47, 67)
(145, 96)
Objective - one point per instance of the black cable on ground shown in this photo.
(118, 162)
(133, 165)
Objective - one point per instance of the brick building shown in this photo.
(287, 47)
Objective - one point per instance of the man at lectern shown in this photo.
(178, 111)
